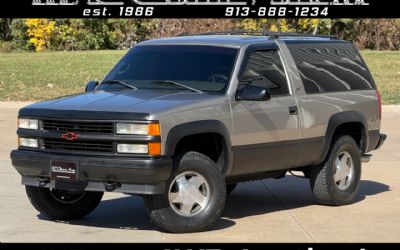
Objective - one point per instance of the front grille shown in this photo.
(81, 146)
(78, 127)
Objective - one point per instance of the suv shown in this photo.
(180, 121)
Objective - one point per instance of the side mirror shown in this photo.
(91, 86)
(253, 93)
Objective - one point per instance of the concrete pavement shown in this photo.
(261, 211)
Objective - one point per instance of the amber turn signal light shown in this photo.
(154, 148)
(154, 129)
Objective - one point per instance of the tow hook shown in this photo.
(366, 158)
(43, 181)
(111, 186)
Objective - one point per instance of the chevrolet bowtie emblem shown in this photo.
(70, 136)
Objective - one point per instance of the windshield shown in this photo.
(204, 68)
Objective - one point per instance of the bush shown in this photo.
(95, 34)
(5, 47)
(19, 35)
(40, 32)
(99, 34)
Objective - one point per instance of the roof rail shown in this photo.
(272, 35)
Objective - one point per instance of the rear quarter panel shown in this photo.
(316, 110)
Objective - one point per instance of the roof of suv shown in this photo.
(228, 40)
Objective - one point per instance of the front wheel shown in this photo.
(194, 199)
(63, 204)
(337, 181)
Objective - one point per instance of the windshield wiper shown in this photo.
(179, 84)
(119, 82)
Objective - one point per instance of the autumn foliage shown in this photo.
(40, 32)
(96, 34)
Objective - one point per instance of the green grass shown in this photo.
(385, 68)
(40, 76)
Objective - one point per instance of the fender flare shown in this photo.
(180, 131)
(335, 121)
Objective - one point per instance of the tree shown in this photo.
(91, 34)
(124, 33)
(19, 35)
(174, 27)
(305, 25)
(5, 29)
(94, 34)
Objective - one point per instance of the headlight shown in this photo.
(27, 142)
(28, 123)
(138, 129)
(132, 149)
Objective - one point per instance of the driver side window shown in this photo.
(264, 68)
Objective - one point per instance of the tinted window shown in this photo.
(205, 68)
(330, 67)
(265, 69)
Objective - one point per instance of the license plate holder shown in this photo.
(64, 170)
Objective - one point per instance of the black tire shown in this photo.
(322, 178)
(58, 205)
(230, 188)
(167, 219)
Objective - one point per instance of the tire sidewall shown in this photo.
(204, 166)
(347, 144)
(47, 204)
(54, 203)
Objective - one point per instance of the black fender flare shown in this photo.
(335, 121)
(180, 131)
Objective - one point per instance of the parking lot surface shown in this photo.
(261, 211)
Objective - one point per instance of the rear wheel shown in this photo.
(336, 182)
(194, 199)
(63, 204)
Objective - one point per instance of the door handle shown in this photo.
(293, 110)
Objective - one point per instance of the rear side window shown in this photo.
(330, 67)
(264, 68)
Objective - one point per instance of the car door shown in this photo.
(265, 133)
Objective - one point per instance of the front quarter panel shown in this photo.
(215, 108)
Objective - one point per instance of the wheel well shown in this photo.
(212, 145)
(353, 129)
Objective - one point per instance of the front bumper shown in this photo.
(96, 173)
(381, 141)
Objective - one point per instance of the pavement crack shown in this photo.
(288, 211)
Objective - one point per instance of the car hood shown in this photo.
(142, 101)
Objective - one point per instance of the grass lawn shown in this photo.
(385, 68)
(39, 76)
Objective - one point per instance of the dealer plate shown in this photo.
(64, 170)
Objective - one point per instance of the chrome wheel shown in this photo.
(189, 194)
(344, 173)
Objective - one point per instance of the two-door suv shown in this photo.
(180, 121)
